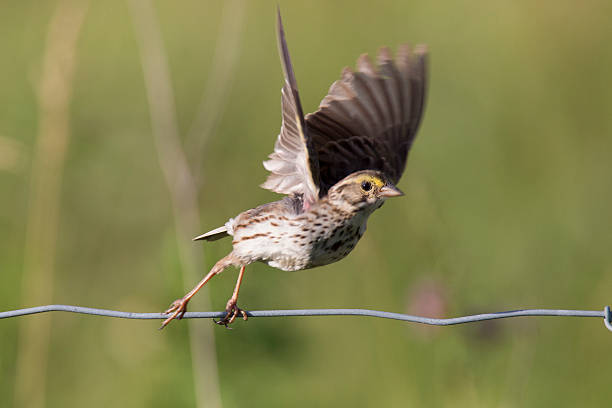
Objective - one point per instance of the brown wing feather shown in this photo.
(370, 117)
(293, 166)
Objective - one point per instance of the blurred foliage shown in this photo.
(507, 205)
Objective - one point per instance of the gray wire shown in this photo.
(605, 314)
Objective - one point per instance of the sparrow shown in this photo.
(336, 166)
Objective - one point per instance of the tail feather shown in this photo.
(213, 235)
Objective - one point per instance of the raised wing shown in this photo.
(293, 165)
(370, 117)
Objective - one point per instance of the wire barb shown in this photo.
(605, 314)
(608, 318)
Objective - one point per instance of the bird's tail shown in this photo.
(213, 235)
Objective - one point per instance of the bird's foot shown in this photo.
(231, 312)
(178, 309)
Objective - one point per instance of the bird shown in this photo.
(336, 166)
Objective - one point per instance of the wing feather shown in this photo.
(293, 166)
(370, 117)
(368, 120)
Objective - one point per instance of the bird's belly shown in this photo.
(294, 245)
(286, 247)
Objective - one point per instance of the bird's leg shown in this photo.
(231, 310)
(179, 306)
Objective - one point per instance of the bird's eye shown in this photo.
(366, 185)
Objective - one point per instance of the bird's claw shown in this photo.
(178, 309)
(231, 312)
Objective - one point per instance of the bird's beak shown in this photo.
(389, 190)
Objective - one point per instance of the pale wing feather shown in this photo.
(293, 165)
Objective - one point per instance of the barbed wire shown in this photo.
(605, 314)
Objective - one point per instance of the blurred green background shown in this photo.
(508, 190)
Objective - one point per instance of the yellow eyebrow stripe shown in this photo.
(372, 179)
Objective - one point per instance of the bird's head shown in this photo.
(363, 190)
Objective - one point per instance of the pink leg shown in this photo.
(232, 311)
(179, 306)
